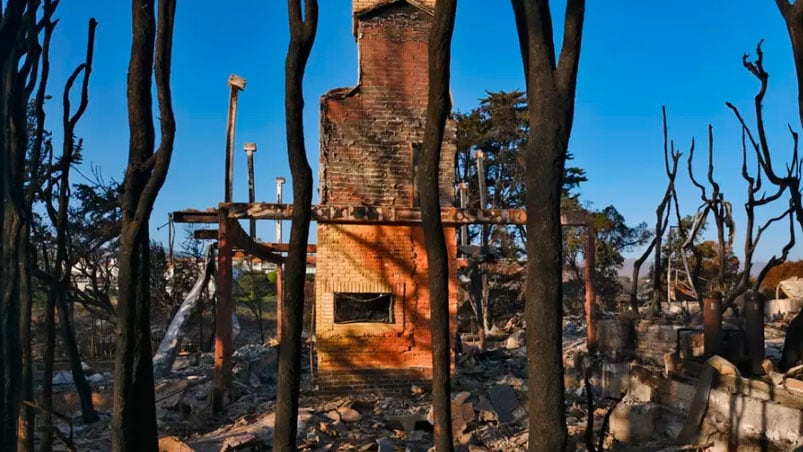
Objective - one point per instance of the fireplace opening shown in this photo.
(353, 307)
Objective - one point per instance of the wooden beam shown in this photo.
(196, 216)
(451, 216)
(205, 234)
(242, 240)
(284, 247)
(223, 338)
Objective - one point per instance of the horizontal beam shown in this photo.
(208, 216)
(204, 234)
(242, 240)
(451, 216)
(211, 234)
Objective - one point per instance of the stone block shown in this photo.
(615, 379)
(633, 423)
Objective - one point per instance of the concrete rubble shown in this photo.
(639, 404)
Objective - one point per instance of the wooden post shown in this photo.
(223, 339)
(588, 272)
(279, 280)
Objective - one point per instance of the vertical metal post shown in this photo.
(479, 156)
(754, 329)
(279, 187)
(250, 149)
(223, 337)
(236, 84)
(463, 192)
(279, 273)
(712, 323)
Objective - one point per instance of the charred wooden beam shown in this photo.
(209, 216)
(359, 214)
(390, 215)
(242, 240)
(212, 234)
(284, 247)
(204, 234)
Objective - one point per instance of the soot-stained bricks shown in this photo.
(370, 138)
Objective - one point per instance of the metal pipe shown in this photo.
(479, 156)
(712, 324)
(250, 149)
(754, 329)
(236, 84)
(279, 273)
(279, 186)
(463, 192)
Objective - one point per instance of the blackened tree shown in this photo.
(438, 106)
(551, 85)
(303, 27)
(134, 414)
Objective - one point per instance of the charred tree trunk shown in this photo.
(303, 28)
(793, 16)
(634, 301)
(134, 414)
(61, 268)
(19, 54)
(25, 441)
(438, 106)
(165, 355)
(550, 98)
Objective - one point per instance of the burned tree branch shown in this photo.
(662, 213)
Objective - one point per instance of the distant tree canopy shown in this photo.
(498, 127)
(779, 273)
(614, 237)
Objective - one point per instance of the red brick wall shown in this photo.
(368, 132)
(367, 138)
(360, 6)
(377, 259)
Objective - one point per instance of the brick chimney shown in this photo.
(360, 6)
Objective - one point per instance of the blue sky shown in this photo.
(636, 56)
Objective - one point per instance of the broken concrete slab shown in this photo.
(384, 445)
(408, 421)
(169, 394)
(515, 340)
(504, 401)
(615, 378)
